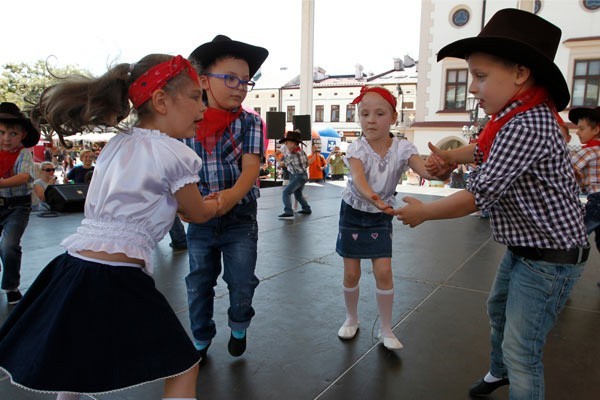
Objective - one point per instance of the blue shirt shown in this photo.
(222, 167)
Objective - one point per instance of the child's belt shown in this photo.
(571, 256)
(15, 201)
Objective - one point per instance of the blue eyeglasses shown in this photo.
(233, 82)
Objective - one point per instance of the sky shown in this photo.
(96, 34)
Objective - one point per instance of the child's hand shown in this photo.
(412, 214)
(212, 204)
(383, 206)
(183, 216)
(226, 201)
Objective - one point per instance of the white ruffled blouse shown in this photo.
(130, 205)
(382, 174)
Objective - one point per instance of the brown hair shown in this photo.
(78, 102)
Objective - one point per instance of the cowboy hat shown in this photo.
(9, 112)
(593, 114)
(521, 37)
(221, 45)
(292, 136)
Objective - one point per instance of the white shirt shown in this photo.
(130, 204)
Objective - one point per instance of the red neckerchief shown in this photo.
(214, 124)
(531, 98)
(7, 162)
(592, 143)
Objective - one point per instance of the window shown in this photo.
(456, 89)
(291, 111)
(257, 109)
(460, 17)
(409, 105)
(272, 108)
(350, 112)
(591, 5)
(586, 83)
(335, 113)
(319, 113)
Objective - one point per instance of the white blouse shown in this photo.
(130, 205)
(382, 174)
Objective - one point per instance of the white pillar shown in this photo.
(306, 57)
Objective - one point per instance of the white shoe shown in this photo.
(390, 343)
(348, 331)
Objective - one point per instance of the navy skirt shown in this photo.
(363, 234)
(86, 327)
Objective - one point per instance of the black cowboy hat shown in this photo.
(521, 37)
(584, 112)
(221, 45)
(292, 136)
(9, 112)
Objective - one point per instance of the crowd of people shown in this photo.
(198, 157)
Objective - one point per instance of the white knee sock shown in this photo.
(68, 396)
(351, 299)
(385, 303)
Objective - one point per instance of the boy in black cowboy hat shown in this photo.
(17, 133)
(525, 180)
(230, 143)
(587, 164)
(296, 161)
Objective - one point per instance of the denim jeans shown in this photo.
(592, 217)
(295, 186)
(523, 306)
(177, 233)
(232, 238)
(13, 221)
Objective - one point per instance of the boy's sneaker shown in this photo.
(236, 346)
(13, 297)
(286, 216)
(305, 212)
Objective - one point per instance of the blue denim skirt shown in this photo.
(363, 234)
(86, 327)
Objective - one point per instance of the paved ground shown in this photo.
(442, 270)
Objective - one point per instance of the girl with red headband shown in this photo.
(376, 161)
(93, 315)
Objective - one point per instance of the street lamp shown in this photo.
(472, 131)
(401, 98)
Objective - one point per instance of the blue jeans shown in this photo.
(295, 186)
(592, 217)
(232, 237)
(523, 306)
(13, 221)
(177, 233)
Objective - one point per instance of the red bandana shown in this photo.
(531, 98)
(592, 143)
(214, 124)
(157, 77)
(7, 162)
(380, 91)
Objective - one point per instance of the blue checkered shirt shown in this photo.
(23, 164)
(222, 167)
(528, 184)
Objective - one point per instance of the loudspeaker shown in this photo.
(66, 198)
(302, 123)
(275, 124)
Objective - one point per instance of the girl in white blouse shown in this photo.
(376, 162)
(94, 316)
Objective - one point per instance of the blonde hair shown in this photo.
(84, 152)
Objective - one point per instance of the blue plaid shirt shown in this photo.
(222, 167)
(528, 184)
(23, 164)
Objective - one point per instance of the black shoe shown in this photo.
(305, 212)
(13, 297)
(236, 347)
(483, 388)
(286, 216)
(176, 247)
(202, 354)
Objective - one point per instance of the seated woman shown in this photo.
(38, 198)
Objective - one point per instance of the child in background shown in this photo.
(230, 143)
(316, 166)
(526, 182)
(377, 161)
(17, 133)
(296, 162)
(93, 315)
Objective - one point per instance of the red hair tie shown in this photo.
(157, 77)
(386, 94)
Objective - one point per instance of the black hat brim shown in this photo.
(576, 114)
(282, 141)
(206, 53)
(544, 70)
(32, 136)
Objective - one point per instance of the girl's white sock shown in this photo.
(385, 303)
(351, 299)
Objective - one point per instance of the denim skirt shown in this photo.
(363, 234)
(86, 327)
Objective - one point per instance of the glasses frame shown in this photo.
(48, 169)
(246, 85)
